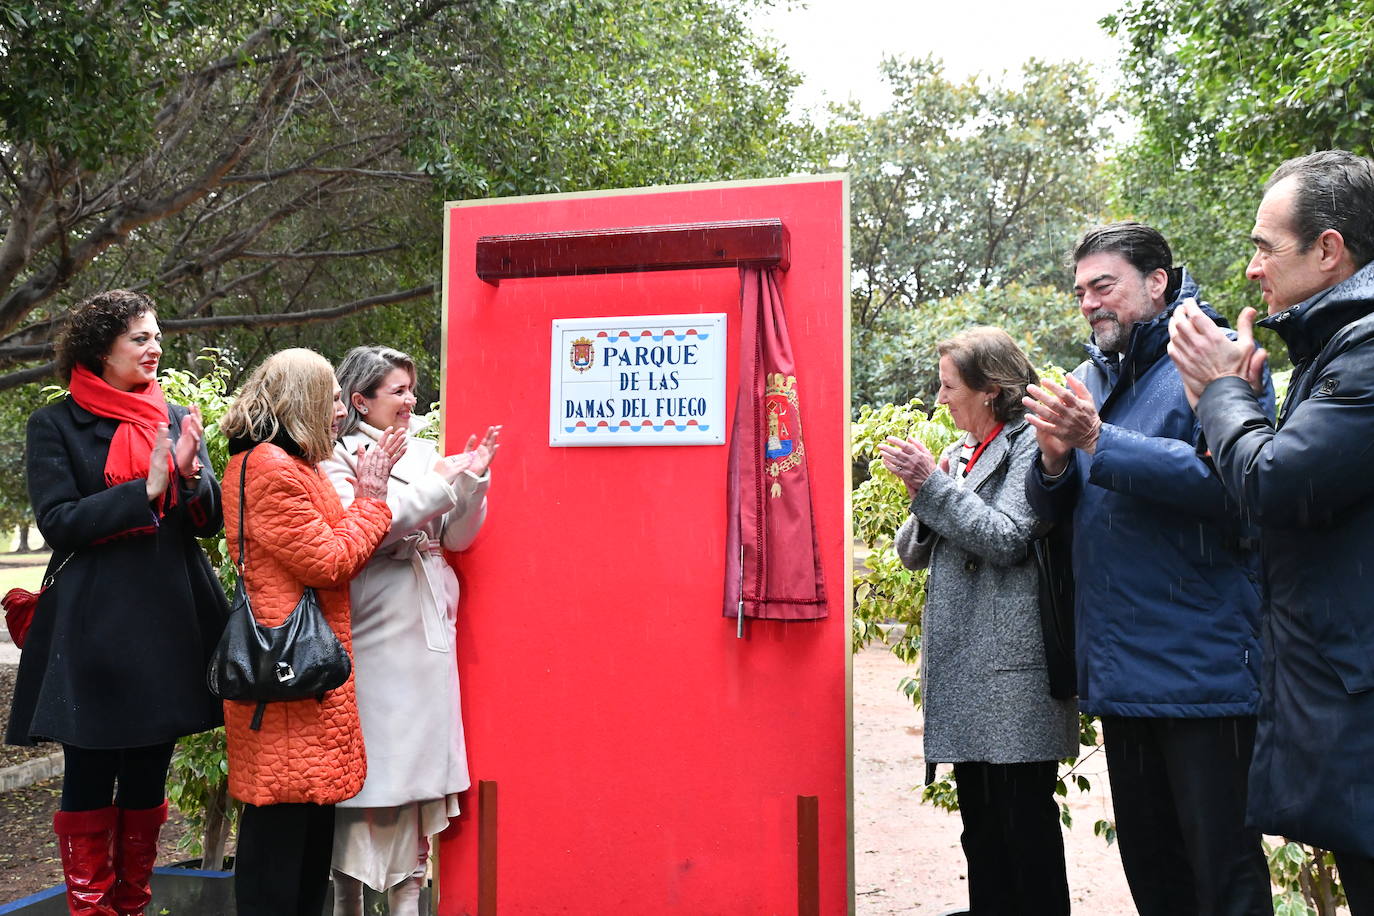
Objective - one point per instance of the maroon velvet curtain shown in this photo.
(773, 565)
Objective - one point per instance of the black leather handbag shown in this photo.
(1053, 551)
(298, 659)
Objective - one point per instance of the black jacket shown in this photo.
(1310, 485)
(117, 652)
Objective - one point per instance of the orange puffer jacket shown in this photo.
(298, 534)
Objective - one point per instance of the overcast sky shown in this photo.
(837, 44)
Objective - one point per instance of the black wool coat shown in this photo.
(117, 652)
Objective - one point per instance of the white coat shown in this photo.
(405, 604)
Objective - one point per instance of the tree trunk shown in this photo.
(23, 539)
(1318, 880)
(218, 823)
(1326, 882)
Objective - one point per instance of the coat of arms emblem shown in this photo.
(784, 449)
(582, 355)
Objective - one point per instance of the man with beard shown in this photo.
(1167, 601)
(1307, 482)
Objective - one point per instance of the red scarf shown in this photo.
(139, 413)
(980, 447)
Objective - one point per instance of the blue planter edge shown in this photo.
(22, 902)
(17, 905)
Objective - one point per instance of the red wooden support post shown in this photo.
(486, 848)
(808, 856)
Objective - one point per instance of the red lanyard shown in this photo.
(968, 468)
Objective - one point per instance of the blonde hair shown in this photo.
(292, 392)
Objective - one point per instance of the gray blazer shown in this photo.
(984, 688)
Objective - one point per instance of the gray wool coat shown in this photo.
(984, 687)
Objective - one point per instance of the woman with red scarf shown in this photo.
(985, 686)
(114, 664)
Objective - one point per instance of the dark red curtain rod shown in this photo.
(684, 246)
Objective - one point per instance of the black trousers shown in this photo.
(1357, 877)
(1178, 789)
(1011, 839)
(282, 864)
(90, 777)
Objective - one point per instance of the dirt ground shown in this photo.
(907, 859)
(13, 754)
(28, 850)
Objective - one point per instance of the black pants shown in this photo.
(90, 777)
(1178, 789)
(1357, 877)
(282, 864)
(1011, 839)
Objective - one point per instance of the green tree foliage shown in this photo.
(886, 593)
(1306, 879)
(896, 360)
(960, 186)
(15, 408)
(1250, 82)
(263, 168)
(1223, 93)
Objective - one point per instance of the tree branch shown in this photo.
(17, 246)
(171, 326)
(24, 376)
(126, 218)
(322, 170)
(313, 255)
(223, 291)
(313, 316)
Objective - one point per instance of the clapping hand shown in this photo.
(374, 464)
(159, 465)
(475, 457)
(187, 449)
(1203, 352)
(483, 452)
(1054, 451)
(450, 466)
(910, 460)
(1064, 418)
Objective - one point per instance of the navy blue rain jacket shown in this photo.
(1310, 485)
(1166, 572)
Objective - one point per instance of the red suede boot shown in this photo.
(84, 839)
(135, 851)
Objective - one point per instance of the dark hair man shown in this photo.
(1308, 483)
(1167, 601)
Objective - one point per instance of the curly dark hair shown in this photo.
(91, 328)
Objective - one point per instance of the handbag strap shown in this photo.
(242, 564)
(52, 576)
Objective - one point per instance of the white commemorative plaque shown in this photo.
(638, 380)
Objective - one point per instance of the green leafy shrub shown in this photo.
(198, 780)
(1306, 879)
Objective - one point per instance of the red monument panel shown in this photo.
(634, 755)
